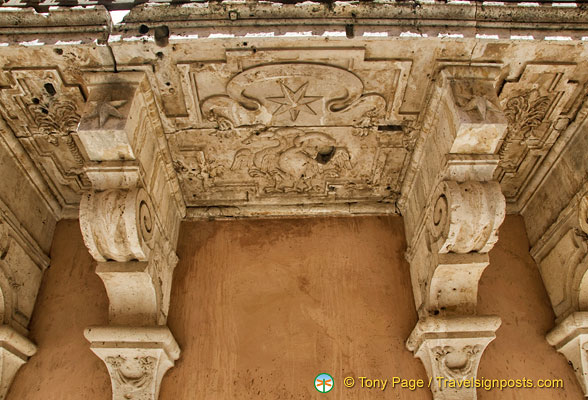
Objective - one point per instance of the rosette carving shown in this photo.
(118, 225)
(465, 217)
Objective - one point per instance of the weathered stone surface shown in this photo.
(258, 120)
(238, 110)
(136, 358)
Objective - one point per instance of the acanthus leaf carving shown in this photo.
(538, 106)
(43, 111)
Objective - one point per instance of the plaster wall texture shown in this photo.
(260, 307)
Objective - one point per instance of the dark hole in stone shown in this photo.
(436, 312)
(167, 84)
(162, 35)
(58, 51)
(388, 187)
(349, 31)
(50, 89)
(325, 154)
(36, 101)
(44, 111)
(143, 29)
(159, 55)
(244, 43)
(393, 128)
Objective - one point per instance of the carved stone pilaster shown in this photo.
(136, 358)
(452, 215)
(562, 256)
(130, 222)
(15, 350)
(22, 264)
(451, 349)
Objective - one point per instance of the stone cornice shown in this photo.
(19, 22)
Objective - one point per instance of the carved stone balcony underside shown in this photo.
(259, 124)
(136, 126)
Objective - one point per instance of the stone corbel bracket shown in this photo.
(130, 222)
(137, 358)
(451, 349)
(130, 218)
(453, 209)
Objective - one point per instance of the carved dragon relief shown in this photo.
(283, 126)
(259, 163)
(290, 160)
(43, 111)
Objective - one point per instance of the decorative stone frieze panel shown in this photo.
(292, 127)
(43, 110)
(539, 106)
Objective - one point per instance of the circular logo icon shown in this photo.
(324, 383)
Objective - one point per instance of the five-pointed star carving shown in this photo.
(106, 109)
(294, 101)
(482, 105)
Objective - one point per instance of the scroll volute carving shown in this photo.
(118, 225)
(465, 217)
(583, 214)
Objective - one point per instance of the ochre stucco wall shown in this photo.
(260, 307)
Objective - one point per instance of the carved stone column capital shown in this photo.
(136, 358)
(570, 338)
(451, 349)
(15, 350)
